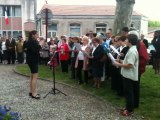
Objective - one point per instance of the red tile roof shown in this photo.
(83, 9)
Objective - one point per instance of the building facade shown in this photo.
(21, 15)
(77, 20)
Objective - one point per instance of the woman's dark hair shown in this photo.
(122, 38)
(33, 32)
(94, 34)
(125, 29)
(96, 40)
(19, 37)
(133, 39)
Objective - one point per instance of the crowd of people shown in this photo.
(10, 48)
(121, 58)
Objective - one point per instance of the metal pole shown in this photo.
(40, 27)
(46, 23)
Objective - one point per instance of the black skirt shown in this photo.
(33, 67)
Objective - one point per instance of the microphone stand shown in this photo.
(54, 90)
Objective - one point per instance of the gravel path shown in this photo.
(77, 105)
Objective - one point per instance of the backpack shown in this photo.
(143, 57)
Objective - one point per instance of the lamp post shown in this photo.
(46, 16)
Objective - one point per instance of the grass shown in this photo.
(150, 90)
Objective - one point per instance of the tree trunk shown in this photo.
(123, 15)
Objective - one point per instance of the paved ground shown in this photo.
(77, 105)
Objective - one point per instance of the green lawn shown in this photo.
(150, 90)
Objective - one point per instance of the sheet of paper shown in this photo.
(111, 57)
(85, 54)
(114, 49)
(78, 46)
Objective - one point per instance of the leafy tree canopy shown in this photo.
(154, 24)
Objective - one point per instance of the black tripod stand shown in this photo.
(54, 89)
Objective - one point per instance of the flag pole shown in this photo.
(46, 22)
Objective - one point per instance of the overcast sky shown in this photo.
(150, 8)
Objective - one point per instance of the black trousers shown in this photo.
(120, 91)
(108, 66)
(137, 98)
(117, 81)
(86, 76)
(1, 57)
(4, 55)
(73, 70)
(11, 55)
(114, 77)
(20, 57)
(79, 71)
(131, 92)
(64, 65)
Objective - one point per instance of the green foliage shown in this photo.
(154, 24)
(149, 98)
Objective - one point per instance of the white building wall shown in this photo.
(144, 26)
(28, 8)
(10, 2)
(88, 23)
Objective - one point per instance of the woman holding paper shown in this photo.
(129, 71)
(82, 61)
(97, 65)
(115, 74)
(123, 49)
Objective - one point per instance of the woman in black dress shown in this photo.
(33, 48)
(97, 65)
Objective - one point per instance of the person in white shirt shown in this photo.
(3, 50)
(81, 61)
(129, 71)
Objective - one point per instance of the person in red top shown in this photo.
(64, 54)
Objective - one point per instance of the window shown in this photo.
(51, 34)
(9, 33)
(101, 28)
(17, 33)
(52, 30)
(16, 11)
(8, 9)
(1, 11)
(74, 29)
(52, 27)
(4, 33)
